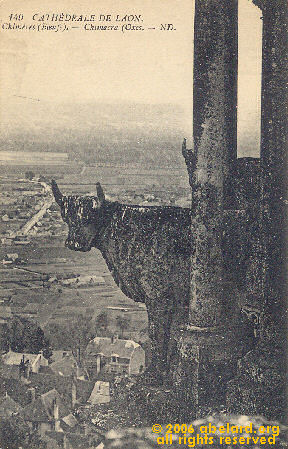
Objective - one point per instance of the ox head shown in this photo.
(84, 216)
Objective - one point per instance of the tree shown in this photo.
(29, 175)
(73, 335)
(58, 336)
(80, 332)
(14, 433)
(122, 323)
(22, 335)
(101, 323)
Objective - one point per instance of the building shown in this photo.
(45, 413)
(65, 364)
(8, 407)
(83, 280)
(114, 355)
(10, 258)
(26, 362)
(5, 313)
(72, 440)
(100, 393)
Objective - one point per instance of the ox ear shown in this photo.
(56, 192)
(100, 193)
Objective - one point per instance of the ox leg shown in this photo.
(160, 315)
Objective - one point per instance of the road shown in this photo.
(33, 220)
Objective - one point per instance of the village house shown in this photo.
(8, 406)
(65, 364)
(114, 355)
(100, 393)
(5, 313)
(45, 413)
(46, 404)
(83, 280)
(26, 362)
(72, 440)
(10, 258)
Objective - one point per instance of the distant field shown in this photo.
(78, 177)
(31, 157)
(58, 304)
(48, 169)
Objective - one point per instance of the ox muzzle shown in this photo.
(79, 241)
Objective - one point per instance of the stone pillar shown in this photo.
(261, 382)
(274, 210)
(274, 149)
(214, 127)
(207, 347)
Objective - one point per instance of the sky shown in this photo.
(149, 67)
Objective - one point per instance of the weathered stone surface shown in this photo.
(274, 153)
(260, 384)
(214, 130)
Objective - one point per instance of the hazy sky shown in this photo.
(249, 78)
(149, 66)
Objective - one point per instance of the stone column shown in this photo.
(214, 127)
(260, 386)
(274, 210)
(207, 346)
(274, 149)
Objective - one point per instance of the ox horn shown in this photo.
(100, 193)
(56, 192)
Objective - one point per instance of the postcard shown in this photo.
(142, 219)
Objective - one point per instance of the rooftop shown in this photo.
(8, 406)
(42, 409)
(108, 346)
(14, 358)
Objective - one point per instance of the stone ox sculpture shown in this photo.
(148, 252)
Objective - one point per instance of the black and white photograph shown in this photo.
(143, 224)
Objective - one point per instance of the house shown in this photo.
(10, 258)
(71, 440)
(7, 241)
(83, 280)
(8, 407)
(69, 423)
(60, 354)
(114, 355)
(72, 390)
(78, 441)
(100, 393)
(5, 313)
(45, 413)
(51, 418)
(65, 364)
(26, 362)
